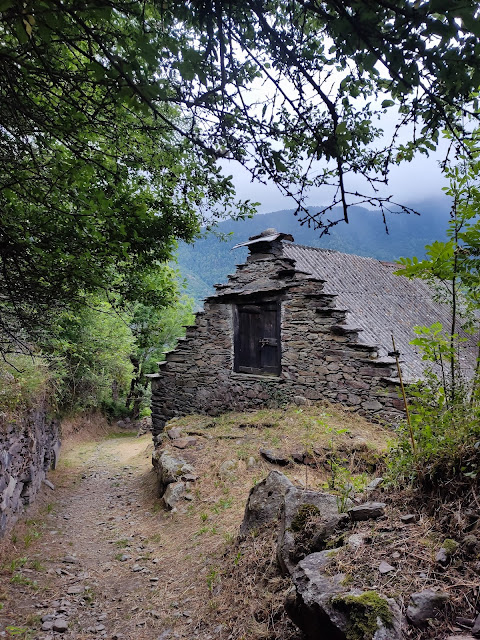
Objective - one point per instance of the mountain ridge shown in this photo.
(210, 259)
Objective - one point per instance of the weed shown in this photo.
(18, 563)
(23, 633)
(229, 537)
(156, 538)
(49, 507)
(122, 543)
(222, 504)
(19, 579)
(89, 595)
(204, 517)
(30, 536)
(36, 565)
(212, 579)
(201, 531)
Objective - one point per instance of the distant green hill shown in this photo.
(210, 259)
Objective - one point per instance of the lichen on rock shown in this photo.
(365, 612)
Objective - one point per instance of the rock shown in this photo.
(367, 511)
(298, 507)
(169, 469)
(461, 637)
(174, 493)
(384, 567)
(424, 605)
(184, 443)
(372, 405)
(408, 518)
(47, 625)
(374, 484)
(324, 609)
(265, 501)
(70, 560)
(356, 540)
(301, 401)
(471, 546)
(174, 433)
(251, 462)
(227, 469)
(60, 625)
(442, 557)
(476, 628)
(74, 590)
(274, 457)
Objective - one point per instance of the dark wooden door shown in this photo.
(257, 338)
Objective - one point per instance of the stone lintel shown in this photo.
(244, 377)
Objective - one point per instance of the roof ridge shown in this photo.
(342, 253)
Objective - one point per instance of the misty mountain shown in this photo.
(210, 259)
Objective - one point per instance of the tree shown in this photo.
(96, 183)
(155, 331)
(113, 115)
(452, 267)
(324, 71)
(89, 355)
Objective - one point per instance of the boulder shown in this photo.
(296, 538)
(265, 501)
(324, 609)
(174, 493)
(424, 606)
(170, 469)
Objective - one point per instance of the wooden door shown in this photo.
(257, 338)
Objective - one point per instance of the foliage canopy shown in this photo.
(113, 115)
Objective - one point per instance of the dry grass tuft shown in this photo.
(248, 594)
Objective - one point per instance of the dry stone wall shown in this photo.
(28, 448)
(321, 358)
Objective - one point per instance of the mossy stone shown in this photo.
(363, 613)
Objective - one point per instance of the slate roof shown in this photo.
(378, 302)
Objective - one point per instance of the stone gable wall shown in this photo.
(28, 448)
(321, 356)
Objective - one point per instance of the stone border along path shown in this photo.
(107, 572)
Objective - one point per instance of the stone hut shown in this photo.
(298, 321)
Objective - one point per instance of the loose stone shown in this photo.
(384, 567)
(367, 511)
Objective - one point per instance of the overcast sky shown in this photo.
(411, 182)
(416, 181)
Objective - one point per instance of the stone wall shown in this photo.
(29, 447)
(322, 357)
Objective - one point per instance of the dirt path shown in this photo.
(96, 561)
(98, 556)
